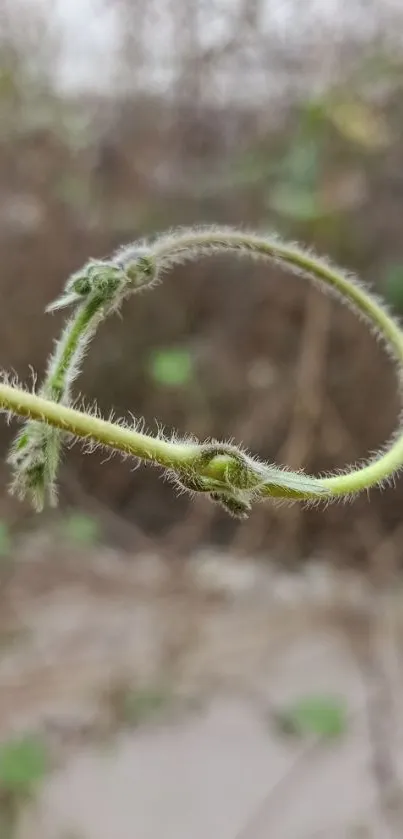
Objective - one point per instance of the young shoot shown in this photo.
(226, 473)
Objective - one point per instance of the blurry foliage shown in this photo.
(393, 285)
(296, 193)
(5, 539)
(322, 716)
(133, 706)
(171, 367)
(139, 705)
(296, 202)
(23, 766)
(81, 529)
(360, 123)
(75, 192)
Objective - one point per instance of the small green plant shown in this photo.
(81, 529)
(225, 472)
(171, 367)
(23, 765)
(323, 716)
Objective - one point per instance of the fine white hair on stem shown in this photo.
(225, 471)
(188, 244)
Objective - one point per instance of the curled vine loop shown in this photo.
(224, 472)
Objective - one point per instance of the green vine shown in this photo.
(225, 472)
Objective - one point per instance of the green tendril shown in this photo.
(224, 472)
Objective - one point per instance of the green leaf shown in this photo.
(320, 715)
(23, 764)
(81, 529)
(171, 367)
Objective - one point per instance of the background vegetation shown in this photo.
(249, 114)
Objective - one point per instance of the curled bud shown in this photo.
(139, 264)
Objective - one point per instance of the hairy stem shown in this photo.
(223, 471)
(189, 245)
(172, 455)
(62, 366)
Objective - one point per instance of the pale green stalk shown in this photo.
(223, 471)
(35, 454)
(187, 245)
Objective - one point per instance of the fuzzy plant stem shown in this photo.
(35, 455)
(225, 472)
(189, 245)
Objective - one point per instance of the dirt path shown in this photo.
(103, 633)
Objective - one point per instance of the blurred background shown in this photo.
(164, 670)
